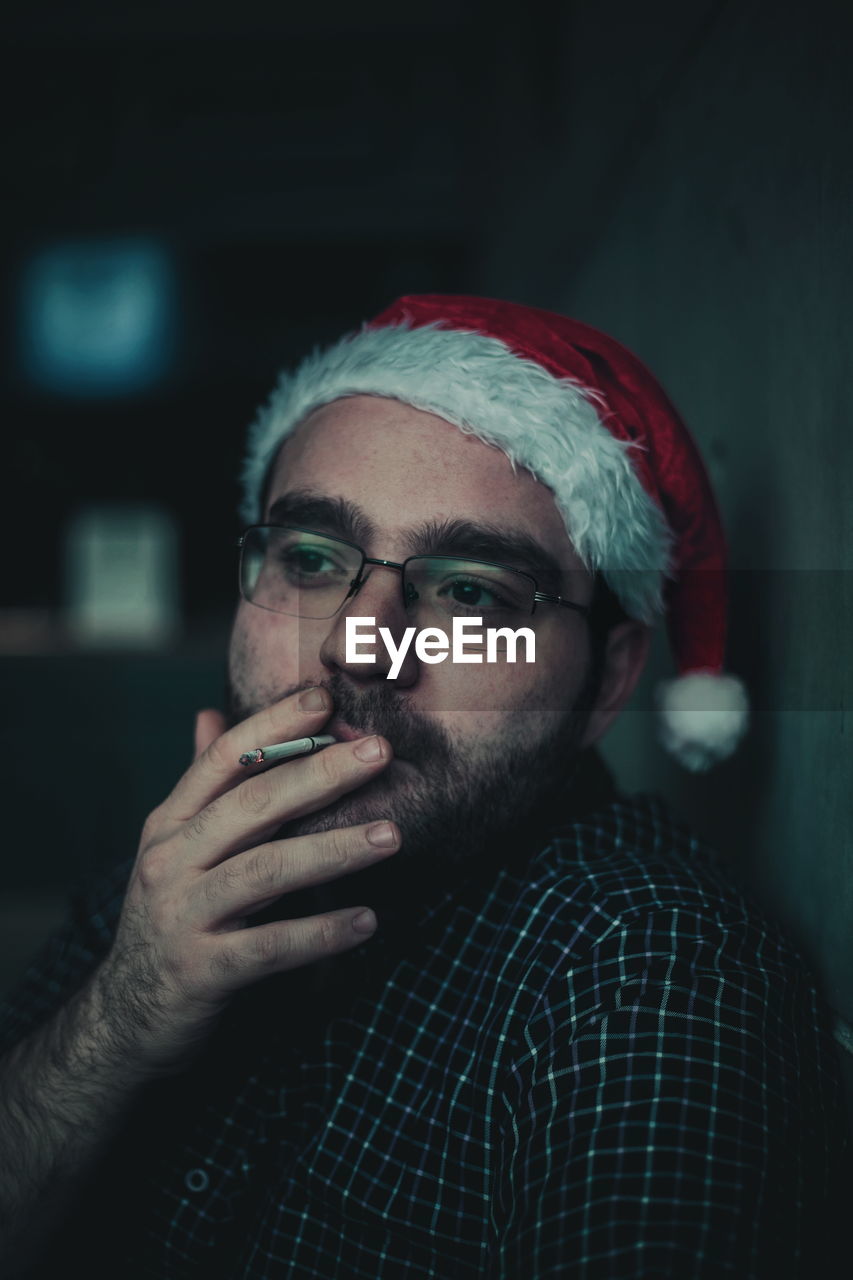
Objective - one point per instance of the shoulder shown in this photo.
(664, 1034)
(629, 891)
(632, 936)
(636, 854)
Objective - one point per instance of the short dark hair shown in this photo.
(605, 613)
(605, 609)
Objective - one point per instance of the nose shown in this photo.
(380, 598)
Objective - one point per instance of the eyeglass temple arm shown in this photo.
(569, 604)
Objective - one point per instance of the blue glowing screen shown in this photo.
(98, 317)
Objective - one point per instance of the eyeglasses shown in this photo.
(312, 575)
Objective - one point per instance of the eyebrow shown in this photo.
(481, 540)
(336, 516)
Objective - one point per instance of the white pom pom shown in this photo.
(702, 716)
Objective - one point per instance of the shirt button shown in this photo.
(196, 1180)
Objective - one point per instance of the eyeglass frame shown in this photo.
(358, 582)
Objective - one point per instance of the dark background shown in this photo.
(299, 172)
(677, 174)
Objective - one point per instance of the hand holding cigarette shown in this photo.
(208, 861)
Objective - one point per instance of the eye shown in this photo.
(306, 559)
(468, 593)
(305, 563)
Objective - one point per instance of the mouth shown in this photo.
(345, 733)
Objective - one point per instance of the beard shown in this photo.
(452, 801)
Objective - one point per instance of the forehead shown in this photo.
(404, 466)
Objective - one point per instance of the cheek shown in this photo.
(522, 698)
(269, 657)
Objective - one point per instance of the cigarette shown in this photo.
(286, 750)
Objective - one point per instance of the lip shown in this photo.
(345, 733)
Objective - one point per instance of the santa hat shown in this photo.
(587, 419)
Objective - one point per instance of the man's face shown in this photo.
(477, 747)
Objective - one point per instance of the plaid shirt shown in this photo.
(595, 1060)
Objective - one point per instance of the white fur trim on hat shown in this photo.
(551, 426)
(702, 716)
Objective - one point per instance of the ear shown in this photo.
(625, 657)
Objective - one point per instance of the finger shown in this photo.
(249, 954)
(218, 766)
(255, 808)
(209, 725)
(252, 880)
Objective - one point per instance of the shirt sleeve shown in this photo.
(679, 1113)
(68, 957)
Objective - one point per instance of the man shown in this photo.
(435, 1000)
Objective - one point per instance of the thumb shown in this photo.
(209, 725)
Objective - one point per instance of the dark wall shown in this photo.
(698, 208)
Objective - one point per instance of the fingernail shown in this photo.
(313, 700)
(382, 834)
(369, 749)
(364, 922)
